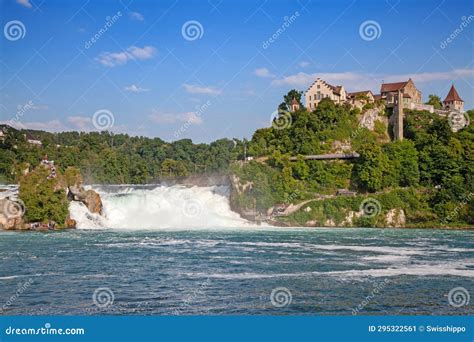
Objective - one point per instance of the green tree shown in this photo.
(45, 199)
(292, 94)
(403, 159)
(171, 167)
(435, 101)
(371, 167)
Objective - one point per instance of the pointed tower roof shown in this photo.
(294, 102)
(452, 95)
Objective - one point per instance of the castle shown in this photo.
(411, 97)
(397, 95)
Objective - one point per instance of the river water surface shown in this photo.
(237, 271)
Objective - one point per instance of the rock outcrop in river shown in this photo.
(11, 214)
(43, 200)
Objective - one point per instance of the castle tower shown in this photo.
(453, 101)
(398, 118)
(294, 105)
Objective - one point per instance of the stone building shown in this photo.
(410, 94)
(32, 140)
(320, 90)
(360, 98)
(453, 101)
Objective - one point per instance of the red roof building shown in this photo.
(453, 101)
(411, 95)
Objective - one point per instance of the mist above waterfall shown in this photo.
(155, 207)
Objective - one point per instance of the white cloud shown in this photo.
(192, 118)
(72, 123)
(51, 126)
(169, 118)
(25, 3)
(195, 89)
(136, 16)
(301, 79)
(39, 107)
(303, 64)
(146, 52)
(112, 59)
(82, 123)
(263, 72)
(361, 81)
(455, 74)
(135, 89)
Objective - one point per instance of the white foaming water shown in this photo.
(162, 207)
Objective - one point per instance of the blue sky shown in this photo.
(226, 74)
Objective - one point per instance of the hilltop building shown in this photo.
(360, 98)
(294, 105)
(397, 96)
(31, 140)
(453, 101)
(410, 94)
(321, 89)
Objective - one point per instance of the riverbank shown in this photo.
(190, 206)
